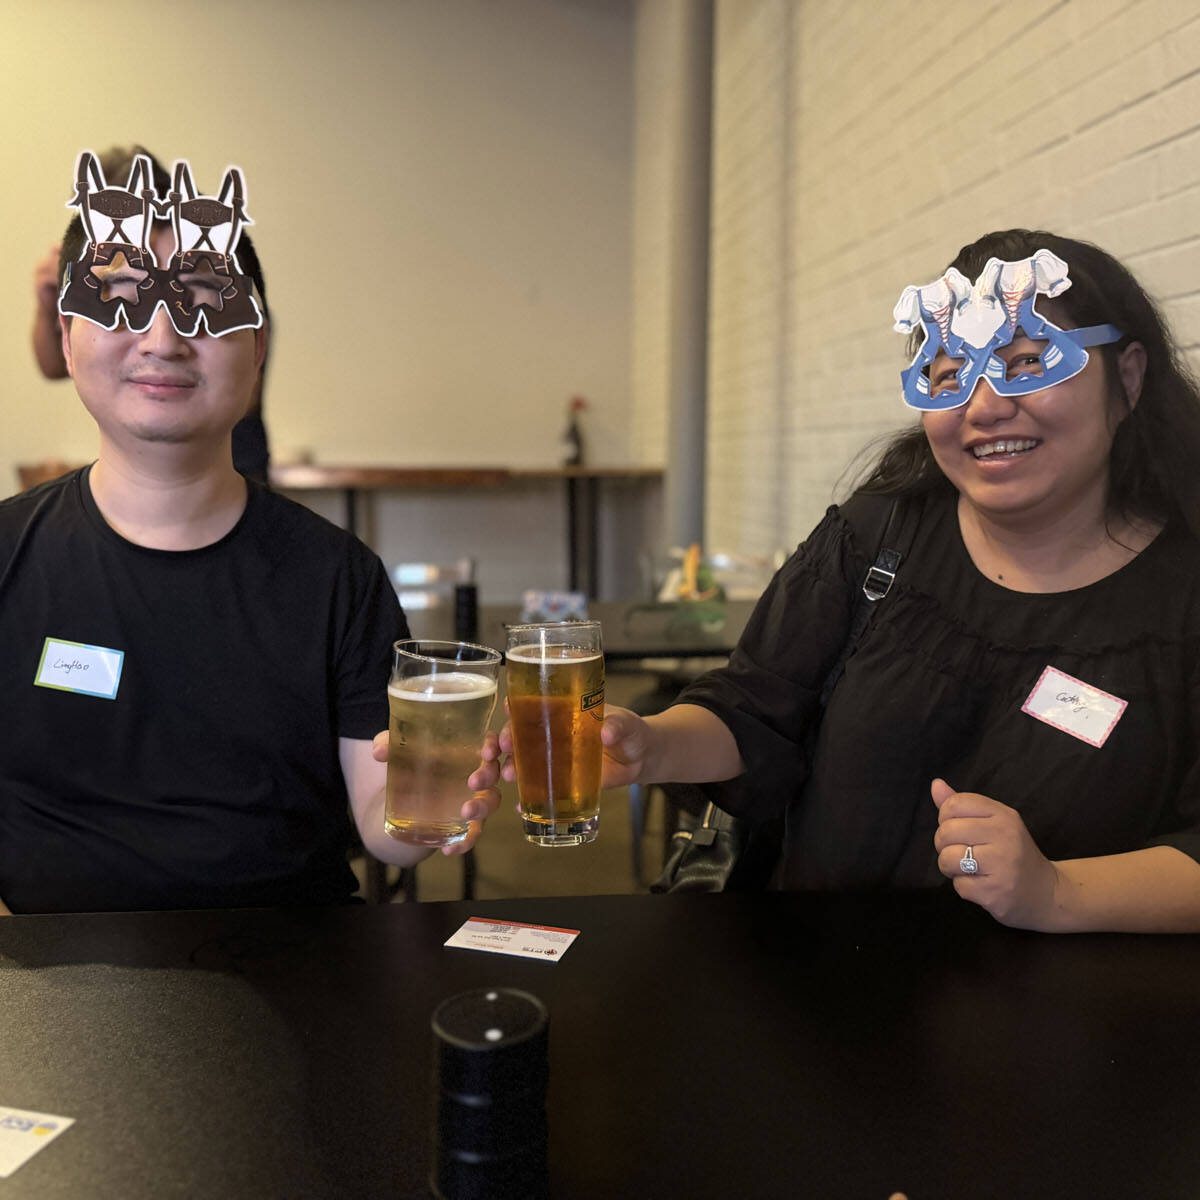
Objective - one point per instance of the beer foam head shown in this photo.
(448, 685)
(534, 653)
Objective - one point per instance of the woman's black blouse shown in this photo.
(935, 687)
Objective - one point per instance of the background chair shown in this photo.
(430, 585)
(667, 685)
(740, 578)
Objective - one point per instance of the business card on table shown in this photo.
(512, 937)
(23, 1134)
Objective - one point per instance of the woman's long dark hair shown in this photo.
(1154, 466)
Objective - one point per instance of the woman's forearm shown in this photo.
(690, 744)
(1156, 890)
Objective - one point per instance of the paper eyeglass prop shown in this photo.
(971, 321)
(118, 275)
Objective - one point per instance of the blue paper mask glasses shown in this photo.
(970, 322)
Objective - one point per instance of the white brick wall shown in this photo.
(857, 145)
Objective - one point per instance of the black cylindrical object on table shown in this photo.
(490, 1070)
(466, 612)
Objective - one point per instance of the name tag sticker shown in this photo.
(76, 667)
(513, 937)
(1075, 707)
(23, 1134)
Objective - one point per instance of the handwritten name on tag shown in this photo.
(24, 1133)
(76, 667)
(513, 937)
(1075, 707)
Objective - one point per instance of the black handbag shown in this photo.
(721, 852)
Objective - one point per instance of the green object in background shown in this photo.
(708, 614)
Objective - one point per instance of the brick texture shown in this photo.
(856, 146)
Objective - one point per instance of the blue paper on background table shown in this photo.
(553, 606)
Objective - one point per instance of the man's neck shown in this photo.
(169, 499)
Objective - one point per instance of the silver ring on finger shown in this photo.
(968, 864)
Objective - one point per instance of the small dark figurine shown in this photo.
(572, 439)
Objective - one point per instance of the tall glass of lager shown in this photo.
(555, 677)
(441, 696)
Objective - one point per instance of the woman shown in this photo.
(1022, 714)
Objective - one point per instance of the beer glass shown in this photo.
(555, 677)
(440, 699)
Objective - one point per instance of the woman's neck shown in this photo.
(1076, 549)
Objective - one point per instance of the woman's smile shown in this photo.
(1003, 448)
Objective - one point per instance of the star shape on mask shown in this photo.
(118, 279)
(205, 285)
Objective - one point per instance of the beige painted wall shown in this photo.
(442, 196)
(441, 190)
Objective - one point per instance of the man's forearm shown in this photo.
(365, 785)
(379, 843)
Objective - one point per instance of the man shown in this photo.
(251, 455)
(193, 667)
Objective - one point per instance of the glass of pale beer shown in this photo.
(441, 696)
(555, 677)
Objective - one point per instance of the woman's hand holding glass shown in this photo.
(624, 735)
(683, 744)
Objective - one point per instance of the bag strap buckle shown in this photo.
(882, 575)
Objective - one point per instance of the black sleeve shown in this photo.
(769, 694)
(1184, 833)
(364, 659)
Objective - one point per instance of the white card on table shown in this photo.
(77, 667)
(1075, 707)
(23, 1134)
(512, 937)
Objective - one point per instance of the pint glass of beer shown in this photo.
(440, 696)
(555, 676)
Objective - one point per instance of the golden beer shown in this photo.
(556, 708)
(436, 726)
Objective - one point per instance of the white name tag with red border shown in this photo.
(1075, 707)
(513, 937)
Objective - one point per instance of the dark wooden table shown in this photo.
(700, 1046)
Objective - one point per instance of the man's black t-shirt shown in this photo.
(211, 777)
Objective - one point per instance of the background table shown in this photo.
(630, 632)
(581, 484)
(700, 1046)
